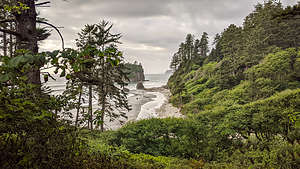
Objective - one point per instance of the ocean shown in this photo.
(152, 80)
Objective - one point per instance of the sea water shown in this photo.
(152, 80)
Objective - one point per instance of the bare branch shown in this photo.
(49, 75)
(61, 37)
(44, 6)
(42, 3)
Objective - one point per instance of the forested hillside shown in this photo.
(246, 91)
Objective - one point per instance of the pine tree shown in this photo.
(175, 62)
(204, 45)
(215, 54)
(111, 92)
(197, 48)
(104, 67)
(189, 46)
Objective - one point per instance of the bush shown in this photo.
(183, 138)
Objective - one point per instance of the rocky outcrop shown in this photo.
(140, 86)
(137, 77)
(135, 72)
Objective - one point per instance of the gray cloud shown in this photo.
(151, 29)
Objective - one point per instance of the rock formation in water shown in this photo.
(135, 72)
(140, 86)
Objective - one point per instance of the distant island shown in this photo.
(135, 71)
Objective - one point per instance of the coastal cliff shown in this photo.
(135, 72)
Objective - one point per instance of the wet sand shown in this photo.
(167, 109)
(141, 104)
(139, 98)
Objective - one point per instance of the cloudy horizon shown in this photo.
(151, 30)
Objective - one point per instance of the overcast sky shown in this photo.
(151, 29)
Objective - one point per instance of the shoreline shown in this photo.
(145, 104)
(166, 109)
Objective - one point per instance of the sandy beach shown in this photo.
(145, 104)
(167, 109)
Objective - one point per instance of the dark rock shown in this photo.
(126, 90)
(140, 86)
(165, 87)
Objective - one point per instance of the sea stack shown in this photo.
(140, 86)
(135, 72)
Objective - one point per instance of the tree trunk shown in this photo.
(4, 44)
(11, 41)
(103, 112)
(103, 92)
(78, 108)
(91, 106)
(26, 27)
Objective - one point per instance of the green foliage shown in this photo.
(98, 141)
(246, 92)
(193, 51)
(97, 64)
(30, 136)
(17, 7)
(276, 66)
(183, 138)
(280, 155)
(33, 132)
(37, 144)
(241, 101)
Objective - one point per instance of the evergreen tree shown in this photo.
(111, 92)
(175, 62)
(189, 46)
(197, 49)
(182, 53)
(204, 45)
(103, 60)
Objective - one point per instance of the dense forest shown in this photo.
(240, 98)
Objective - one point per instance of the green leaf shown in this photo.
(61, 128)
(63, 73)
(54, 61)
(17, 61)
(68, 77)
(46, 78)
(56, 70)
(297, 124)
(4, 78)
